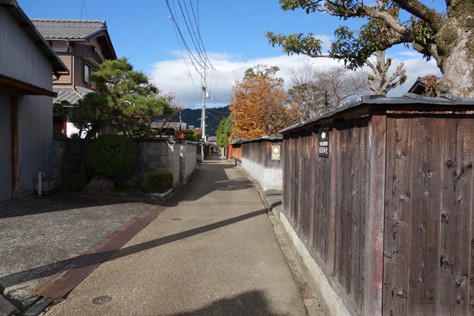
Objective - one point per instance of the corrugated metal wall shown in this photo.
(5, 152)
(36, 139)
(20, 57)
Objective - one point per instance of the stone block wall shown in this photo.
(179, 158)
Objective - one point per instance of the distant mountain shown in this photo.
(213, 118)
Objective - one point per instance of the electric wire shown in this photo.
(191, 32)
(198, 54)
(187, 52)
(151, 37)
(218, 111)
(83, 9)
(197, 34)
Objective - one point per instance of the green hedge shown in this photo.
(112, 156)
(159, 181)
(74, 182)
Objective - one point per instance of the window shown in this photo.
(87, 73)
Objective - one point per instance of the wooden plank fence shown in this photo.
(382, 196)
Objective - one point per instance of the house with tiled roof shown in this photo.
(82, 45)
(27, 63)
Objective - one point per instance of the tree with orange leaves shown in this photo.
(257, 103)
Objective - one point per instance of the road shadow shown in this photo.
(57, 227)
(92, 259)
(248, 303)
(212, 176)
(58, 202)
(40, 236)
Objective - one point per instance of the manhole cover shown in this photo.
(100, 300)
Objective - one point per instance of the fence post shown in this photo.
(374, 230)
(333, 154)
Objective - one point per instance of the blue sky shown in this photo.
(232, 33)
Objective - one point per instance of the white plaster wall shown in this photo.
(268, 179)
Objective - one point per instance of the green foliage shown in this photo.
(112, 156)
(159, 181)
(296, 43)
(383, 28)
(224, 131)
(74, 182)
(191, 135)
(59, 110)
(59, 136)
(92, 113)
(125, 99)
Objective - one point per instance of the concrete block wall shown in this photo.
(188, 160)
(175, 157)
(161, 156)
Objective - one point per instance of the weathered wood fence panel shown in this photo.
(351, 205)
(387, 212)
(428, 231)
(334, 232)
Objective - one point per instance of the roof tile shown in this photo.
(68, 29)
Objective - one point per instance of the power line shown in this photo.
(151, 37)
(83, 8)
(217, 111)
(198, 54)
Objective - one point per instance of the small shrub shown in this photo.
(191, 135)
(111, 156)
(59, 136)
(159, 181)
(74, 182)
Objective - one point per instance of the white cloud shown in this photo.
(181, 78)
(415, 67)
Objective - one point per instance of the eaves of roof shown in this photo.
(370, 103)
(70, 96)
(27, 25)
(272, 138)
(69, 29)
(76, 31)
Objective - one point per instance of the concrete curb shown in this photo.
(7, 308)
(311, 301)
(330, 299)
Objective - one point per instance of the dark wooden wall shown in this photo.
(428, 260)
(326, 200)
(389, 214)
(260, 152)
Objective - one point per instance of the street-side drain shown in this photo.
(101, 300)
(176, 219)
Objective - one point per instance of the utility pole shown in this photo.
(203, 117)
(203, 114)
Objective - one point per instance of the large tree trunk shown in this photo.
(458, 66)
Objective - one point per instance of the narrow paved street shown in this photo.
(212, 252)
